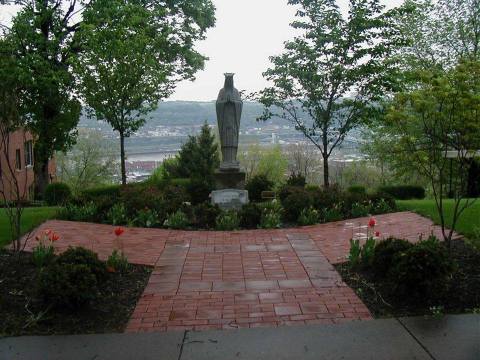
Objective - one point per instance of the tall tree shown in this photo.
(437, 130)
(442, 33)
(43, 34)
(328, 77)
(135, 52)
(13, 181)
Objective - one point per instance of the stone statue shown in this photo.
(229, 111)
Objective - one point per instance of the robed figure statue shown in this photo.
(229, 111)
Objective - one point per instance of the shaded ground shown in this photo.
(469, 220)
(463, 295)
(22, 313)
(32, 217)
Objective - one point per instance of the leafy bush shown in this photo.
(381, 203)
(357, 189)
(332, 214)
(146, 218)
(199, 190)
(140, 196)
(82, 256)
(177, 220)
(424, 270)
(117, 262)
(256, 185)
(111, 192)
(404, 192)
(174, 196)
(359, 210)
(73, 212)
(67, 285)
(327, 198)
(57, 194)
(117, 215)
(250, 216)
(271, 215)
(310, 216)
(205, 215)
(385, 251)
(293, 205)
(296, 180)
(227, 221)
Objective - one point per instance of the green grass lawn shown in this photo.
(32, 217)
(469, 220)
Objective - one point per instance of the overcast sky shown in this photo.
(247, 32)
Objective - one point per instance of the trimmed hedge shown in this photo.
(57, 194)
(110, 191)
(404, 192)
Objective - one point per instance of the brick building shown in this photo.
(21, 158)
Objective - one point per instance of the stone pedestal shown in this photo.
(229, 179)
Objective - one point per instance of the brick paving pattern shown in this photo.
(226, 280)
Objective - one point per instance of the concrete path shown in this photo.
(450, 338)
(240, 279)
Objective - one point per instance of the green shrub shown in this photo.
(256, 185)
(359, 210)
(357, 189)
(250, 216)
(271, 215)
(323, 198)
(381, 203)
(227, 221)
(177, 220)
(87, 212)
(205, 215)
(310, 216)
(293, 205)
(173, 197)
(146, 218)
(117, 215)
(332, 214)
(136, 197)
(404, 192)
(385, 251)
(82, 256)
(117, 262)
(67, 285)
(423, 271)
(57, 194)
(199, 191)
(110, 191)
(296, 180)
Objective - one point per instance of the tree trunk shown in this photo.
(122, 158)
(326, 172)
(42, 178)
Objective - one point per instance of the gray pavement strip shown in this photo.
(378, 339)
(448, 338)
(146, 346)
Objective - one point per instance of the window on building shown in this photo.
(29, 153)
(18, 160)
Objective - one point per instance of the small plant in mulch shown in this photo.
(415, 279)
(71, 293)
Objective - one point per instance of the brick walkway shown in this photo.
(214, 280)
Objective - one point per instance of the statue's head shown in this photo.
(229, 80)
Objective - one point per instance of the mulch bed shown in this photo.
(22, 313)
(463, 295)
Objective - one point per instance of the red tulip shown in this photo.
(54, 237)
(119, 231)
(48, 232)
(377, 234)
(372, 222)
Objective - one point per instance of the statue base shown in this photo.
(229, 199)
(229, 179)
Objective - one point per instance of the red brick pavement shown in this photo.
(224, 280)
